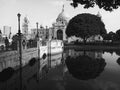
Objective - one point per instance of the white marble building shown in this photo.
(59, 26)
(95, 38)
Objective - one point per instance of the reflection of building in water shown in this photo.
(58, 69)
(56, 60)
(74, 53)
(91, 54)
(94, 54)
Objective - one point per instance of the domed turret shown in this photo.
(25, 26)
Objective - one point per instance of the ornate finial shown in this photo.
(63, 8)
(37, 24)
(46, 27)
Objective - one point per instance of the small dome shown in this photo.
(61, 16)
(98, 14)
(26, 20)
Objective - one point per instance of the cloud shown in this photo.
(4, 3)
(57, 3)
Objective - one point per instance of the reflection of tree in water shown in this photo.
(118, 53)
(6, 74)
(85, 67)
(118, 60)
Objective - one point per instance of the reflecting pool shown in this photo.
(70, 70)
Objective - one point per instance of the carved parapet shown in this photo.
(8, 59)
(11, 58)
(29, 54)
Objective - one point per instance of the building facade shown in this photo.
(95, 38)
(42, 33)
(7, 31)
(57, 31)
(1, 37)
(93, 55)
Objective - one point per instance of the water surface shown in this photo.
(70, 70)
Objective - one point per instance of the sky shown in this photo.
(45, 13)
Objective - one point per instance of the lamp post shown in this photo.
(38, 41)
(38, 45)
(19, 35)
(20, 50)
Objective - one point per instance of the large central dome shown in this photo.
(62, 16)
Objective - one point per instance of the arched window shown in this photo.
(60, 34)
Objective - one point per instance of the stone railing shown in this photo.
(11, 58)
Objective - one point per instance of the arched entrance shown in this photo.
(60, 35)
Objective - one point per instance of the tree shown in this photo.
(111, 36)
(118, 35)
(118, 60)
(107, 5)
(85, 25)
(15, 40)
(6, 43)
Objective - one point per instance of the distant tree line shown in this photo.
(114, 36)
(28, 43)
